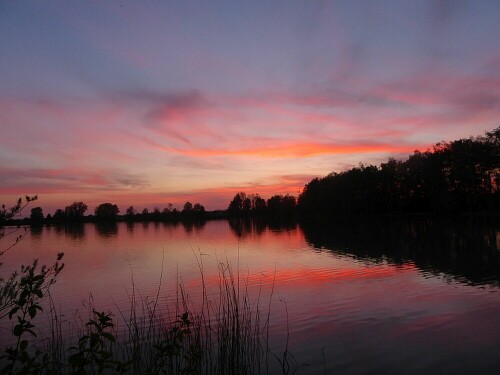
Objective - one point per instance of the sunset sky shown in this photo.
(149, 102)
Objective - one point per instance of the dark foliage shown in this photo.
(244, 205)
(106, 211)
(75, 211)
(458, 176)
(36, 216)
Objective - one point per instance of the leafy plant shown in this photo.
(93, 351)
(21, 296)
(174, 348)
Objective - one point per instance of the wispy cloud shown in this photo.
(66, 180)
(201, 108)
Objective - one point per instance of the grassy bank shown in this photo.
(223, 332)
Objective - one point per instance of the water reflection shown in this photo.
(243, 227)
(466, 249)
(193, 226)
(75, 231)
(36, 231)
(130, 226)
(107, 229)
(354, 288)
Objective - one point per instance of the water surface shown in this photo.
(375, 296)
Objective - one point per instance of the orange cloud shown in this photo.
(289, 149)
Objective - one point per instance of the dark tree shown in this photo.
(106, 211)
(259, 205)
(75, 211)
(188, 207)
(59, 215)
(247, 206)
(457, 176)
(156, 215)
(279, 205)
(254, 205)
(36, 215)
(237, 204)
(198, 208)
(130, 211)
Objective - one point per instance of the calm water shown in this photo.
(368, 297)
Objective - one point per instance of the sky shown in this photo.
(155, 102)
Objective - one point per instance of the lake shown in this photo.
(380, 295)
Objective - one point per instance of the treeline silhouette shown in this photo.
(458, 176)
(452, 177)
(108, 212)
(253, 205)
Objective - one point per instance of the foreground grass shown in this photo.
(228, 334)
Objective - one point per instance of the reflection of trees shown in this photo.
(107, 229)
(246, 226)
(36, 231)
(241, 227)
(75, 211)
(172, 224)
(282, 225)
(196, 225)
(74, 230)
(130, 226)
(465, 249)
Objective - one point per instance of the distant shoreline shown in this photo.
(222, 215)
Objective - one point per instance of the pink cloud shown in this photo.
(129, 142)
(272, 148)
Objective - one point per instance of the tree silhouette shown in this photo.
(259, 205)
(254, 205)
(457, 176)
(75, 211)
(188, 207)
(198, 208)
(36, 216)
(59, 215)
(236, 204)
(279, 205)
(106, 211)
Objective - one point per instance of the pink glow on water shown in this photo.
(328, 298)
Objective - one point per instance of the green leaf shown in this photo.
(32, 311)
(23, 345)
(108, 336)
(23, 296)
(18, 330)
